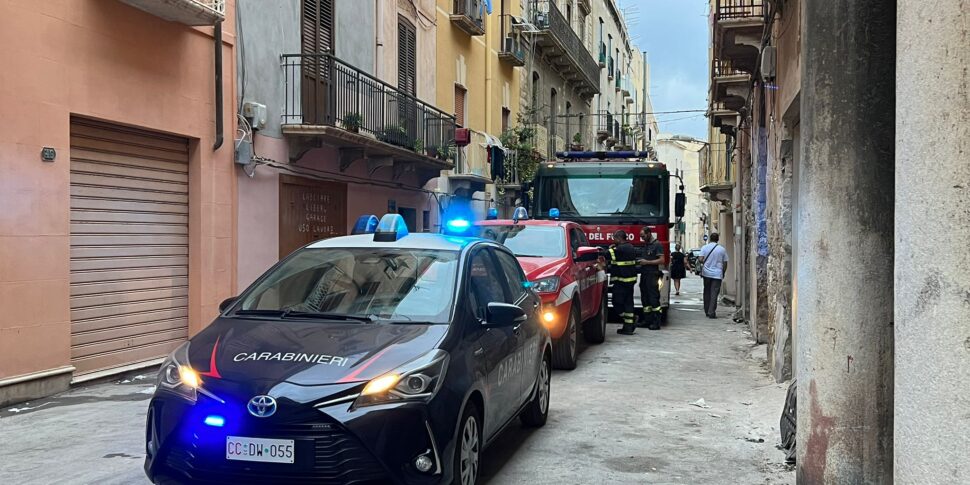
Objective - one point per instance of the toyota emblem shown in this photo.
(262, 406)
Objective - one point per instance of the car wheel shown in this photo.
(537, 411)
(663, 315)
(468, 449)
(565, 347)
(595, 328)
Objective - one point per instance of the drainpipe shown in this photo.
(218, 77)
(643, 104)
(379, 47)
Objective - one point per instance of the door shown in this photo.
(129, 245)
(528, 333)
(585, 275)
(407, 82)
(310, 210)
(495, 345)
(317, 41)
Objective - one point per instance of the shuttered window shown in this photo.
(317, 26)
(407, 65)
(460, 105)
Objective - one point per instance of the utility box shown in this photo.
(255, 113)
(768, 62)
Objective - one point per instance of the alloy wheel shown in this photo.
(544, 384)
(469, 451)
(573, 334)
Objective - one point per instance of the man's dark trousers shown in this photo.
(623, 302)
(650, 299)
(712, 288)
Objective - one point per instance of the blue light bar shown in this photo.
(391, 228)
(492, 213)
(365, 225)
(520, 214)
(458, 224)
(554, 213)
(215, 421)
(601, 155)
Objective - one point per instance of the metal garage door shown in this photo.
(129, 245)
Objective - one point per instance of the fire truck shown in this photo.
(607, 191)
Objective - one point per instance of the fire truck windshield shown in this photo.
(595, 196)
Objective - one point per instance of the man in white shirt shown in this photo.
(713, 260)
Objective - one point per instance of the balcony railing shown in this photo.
(555, 33)
(512, 50)
(602, 57)
(740, 9)
(618, 82)
(188, 12)
(469, 15)
(324, 91)
(609, 67)
(724, 68)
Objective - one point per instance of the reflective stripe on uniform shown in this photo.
(625, 263)
(647, 309)
(632, 279)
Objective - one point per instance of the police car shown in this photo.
(380, 357)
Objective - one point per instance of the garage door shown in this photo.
(129, 245)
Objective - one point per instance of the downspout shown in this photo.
(217, 35)
(643, 103)
(379, 47)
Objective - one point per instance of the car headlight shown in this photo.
(177, 376)
(419, 379)
(546, 285)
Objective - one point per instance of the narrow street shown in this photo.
(624, 416)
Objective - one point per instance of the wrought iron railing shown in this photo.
(217, 6)
(609, 67)
(546, 16)
(602, 54)
(724, 67)
(740, 9)
(323, 90)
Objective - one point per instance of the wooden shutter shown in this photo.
(129, 244)
(317, 38)
(460, 105)
(317, 26)
(407, 65)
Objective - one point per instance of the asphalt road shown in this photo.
(623, 417)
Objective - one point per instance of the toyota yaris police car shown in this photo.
(380, 357)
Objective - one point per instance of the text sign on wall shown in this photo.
(310, 210)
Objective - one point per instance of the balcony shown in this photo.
(721, 117)
(618, 82)
(730, 85)
(586, 6)
(472, 167)
(512, 51)
(609, 68)
(564, 49)
(604, 125)
(602, 58)
(627, 89)
(329, 101)
(188, 12)
(469, 15)
(738, 30)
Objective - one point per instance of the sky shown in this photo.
(676, 36)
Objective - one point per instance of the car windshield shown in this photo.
(408, 285)
(597, 196)
(526, 241)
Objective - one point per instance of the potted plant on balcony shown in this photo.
(577, 143)
(352, 121)
(418, 146)
(394, 135)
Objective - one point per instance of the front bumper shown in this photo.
(559, 314)
(334, 445)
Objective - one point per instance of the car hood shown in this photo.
(260, 354)
(536, 268)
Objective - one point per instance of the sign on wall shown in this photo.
(310, 210)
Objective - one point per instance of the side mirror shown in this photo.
(504, 315)
(680, 204)
(226, 303)
(587, 253)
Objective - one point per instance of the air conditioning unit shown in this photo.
(769, 58)
(255, 113)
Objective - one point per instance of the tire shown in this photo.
(663, 315)
(595, 328)
(566, 347)
(536, 412)
(468, 447)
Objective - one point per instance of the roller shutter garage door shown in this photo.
(129, 245)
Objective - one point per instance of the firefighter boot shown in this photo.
(628, 329)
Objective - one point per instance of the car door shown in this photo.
(585, 275)
(496, 346)
(528, 336)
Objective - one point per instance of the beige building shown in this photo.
(685, 157)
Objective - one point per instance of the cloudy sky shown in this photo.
(675, 35)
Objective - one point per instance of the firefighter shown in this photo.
(650, 274)
(623, 276)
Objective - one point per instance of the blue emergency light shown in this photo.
(492, 214)
(457, 225)
(365, 225)
(215, 421)
(554, 213)
(601, 155)
(391, 228)
(520, 214)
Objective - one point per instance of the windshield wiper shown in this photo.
(330, 316)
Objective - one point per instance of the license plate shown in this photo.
(259, 449)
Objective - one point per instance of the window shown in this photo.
(601, 29)
(483, 282)
(426, 221)
(553, 120)
(569, 133)
(460, 105)
(513, 275)
(535, 97)
(576, 240)
(394, 284)
(527, 241)
(406, 56)
(505, 119)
